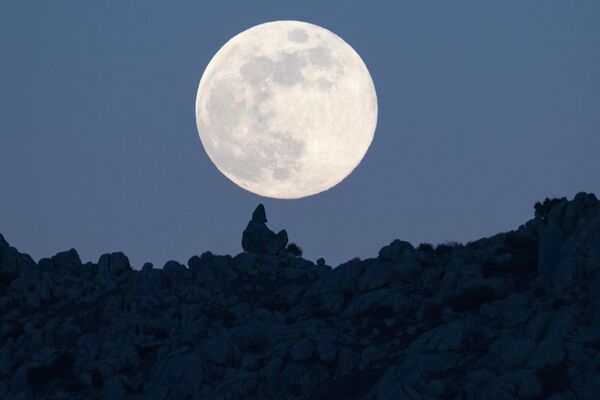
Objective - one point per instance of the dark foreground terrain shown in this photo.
(515, 315)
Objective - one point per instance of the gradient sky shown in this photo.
(483, 110)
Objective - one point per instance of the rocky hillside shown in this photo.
(512, 316)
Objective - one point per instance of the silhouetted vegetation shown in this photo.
(446, 247)
(294, 249)
(543, 209)
(425, 247)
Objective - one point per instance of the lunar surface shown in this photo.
(286, 109)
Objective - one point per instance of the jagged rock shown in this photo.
(341, 279)
(396, 250)
(256, 237)
(390, 388)
(302, 350)
(113, 389)
(115, 263)
(218, 350)
(245, 260)
(259, 215)
(363, 303)
(173, 267)
(589, 337)
(547, 353)
(590, 390)
(326, 351)
(436, 388)
(537, 325)
(9, 265)
(559, 254)
(277, 243)
(375, 276)
(184, 368)
(370, 354)
(445, 337)
(474, 322)
(347, 361)
(29, 272)
(560, 325)
(67, 259)
(518, 352)
(530, 387)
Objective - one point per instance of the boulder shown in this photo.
(326, 351)
(67, 259)
(589, 337)
(396, 250)
(302, 350)
(9, 264)
(530, 387)
(548, 353)
(569, 226)
(277, 243)
(256, 237)
(115, 263)
(218, 350)
(174, 267)
(517, 352)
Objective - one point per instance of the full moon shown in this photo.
(286, 109)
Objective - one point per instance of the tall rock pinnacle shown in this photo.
(258, 238)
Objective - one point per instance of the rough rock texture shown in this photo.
(512, 316)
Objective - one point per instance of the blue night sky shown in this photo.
(483, 110)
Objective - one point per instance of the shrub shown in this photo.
(446, 247)
(425, 247)
(294, 249)
(543, 209)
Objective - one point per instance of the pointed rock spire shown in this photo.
(257, 235)
(259, 215)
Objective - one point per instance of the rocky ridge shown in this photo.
(510, 316)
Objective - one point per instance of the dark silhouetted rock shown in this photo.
(302, 350)
(511, 316)
(278, 242)
(259, 215)
(67, 259)
(115, 263)
(542, 209)
(395, 250)
(294, 250)
(257, 235)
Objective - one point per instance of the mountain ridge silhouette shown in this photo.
(514, 315)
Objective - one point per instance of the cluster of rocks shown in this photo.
(511, 316)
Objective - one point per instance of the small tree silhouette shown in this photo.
(543, 209)
(425, 248)
(294, 249)
(446, 247)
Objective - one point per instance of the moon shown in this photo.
(286, 109)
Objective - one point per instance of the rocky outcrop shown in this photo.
(515, 315)
(258, 238)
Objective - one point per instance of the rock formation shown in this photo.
(515, 315)
(257, 238)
